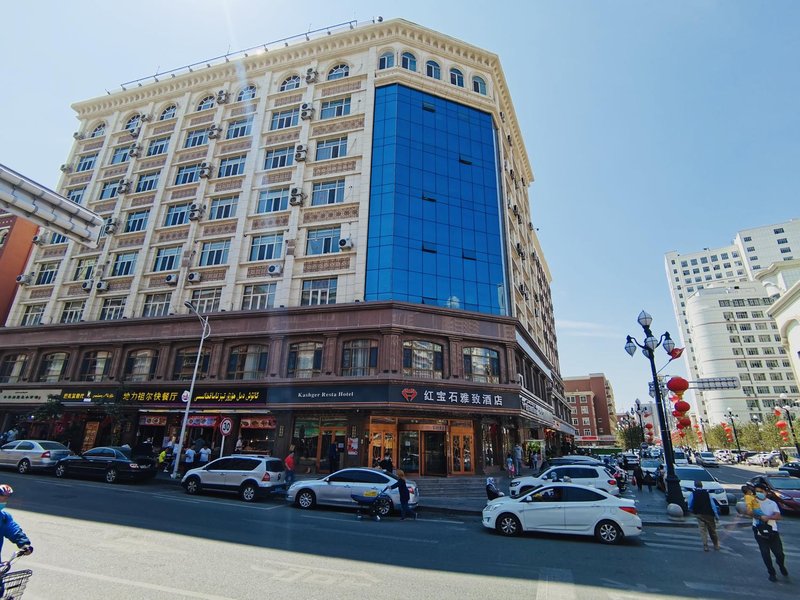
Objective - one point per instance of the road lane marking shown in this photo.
(288, 572)
(683, 547)
(703, 586)
(394, 538)
(218, 502)
(555, 583)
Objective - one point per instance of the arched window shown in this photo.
(247, 93)
(479, 85)
(421, 359)
(206, 103)
(133, 122)
(338, 72)
(386, 60)
(248, 362)
(98, 131)
(432, 69)
(360, 358)
(168, 113)
(52, 367)
(456, 77)
(290, 83)
(140, 365)
(305, 360)
(184, 364)
(95, 366)
(482, 365)
(12, 368)
(408, 61)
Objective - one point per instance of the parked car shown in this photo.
(725, 456)
(570, 459)
(689, 474)
(28, 455)
(782, 488)
(565, 508)
(650, 465)
(111, 463)
(589, 475)
(336, 489)
(249, 476)
(792, 468)
(765, 459)
(629, 461)
(680, 457)
(706, 459)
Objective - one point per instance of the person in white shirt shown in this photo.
(205, 453)
(188, 460)
(765, 530)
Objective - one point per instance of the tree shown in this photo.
(715, 435)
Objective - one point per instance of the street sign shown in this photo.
(185, 396)
(225, 426)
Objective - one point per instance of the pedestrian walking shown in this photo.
(205, 454)
(239, 445)
(333, 457)
(649, 481)
(386, 464)
(535, 462)
(188, 459)
(289, 464)
(405, 495)
(765, 530)
(638, 476)
(510, 466)
(518, 458)
(706, 512)
(8, 526)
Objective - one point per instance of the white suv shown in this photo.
(591, 475)
(249, 476)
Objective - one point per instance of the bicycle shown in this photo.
(12, 585)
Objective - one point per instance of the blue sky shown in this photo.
(651, 126)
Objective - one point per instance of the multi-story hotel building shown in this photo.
(350, 212)
(16, 238)
(591, 399)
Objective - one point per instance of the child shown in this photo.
(751, 502)
(510, 465)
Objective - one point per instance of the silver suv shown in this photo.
(249, 476)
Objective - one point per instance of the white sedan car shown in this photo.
(565, 508)
(594, 476)
(688, 475)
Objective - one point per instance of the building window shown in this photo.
(112, 308)
(98, 131)
(47, 273)
(133, 123)
(333, 148)
(95, 366)
(76, 195)
(185, 360)
(408, 61)
(266, 247)
(284, 118)
(318, 291)
(229, 167)
(207, 300)
(140, 365)
(198, 137)
(136, 221)
(259, 296)
(305, 360)
(73, 311)
(168, 113)
(248, 362)
(432, 69)
(84, 268)
(247, 93)
(481, 365)
(323, 241)
(110, 190)
(423, 360)
(205, 103)
(587, 432)
(328, 192)
(290, 83)
(121, 155)
(456, 77)
(124, 264)
(586, 421)
(273, 200)
(239, 128)
(86, 163)
(359, 358)
(215, 253)
(386, 60)
(33, 315)
(12, 368)
(167, 259)
(147, 181)
(55, 238)
(335, 108)
(177, 214)
(778, 230)
(187, 174)
(157, 305)
(338, 72)
(158, 146)
(479, 85)
(223, 208)
(279, 157)
(52, 367)
(584, 410)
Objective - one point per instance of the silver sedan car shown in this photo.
(337, 488)
(27, 455)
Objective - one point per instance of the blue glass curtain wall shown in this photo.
(434, 222)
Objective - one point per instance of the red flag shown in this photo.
(676, 352)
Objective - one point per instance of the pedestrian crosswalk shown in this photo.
(733, 542)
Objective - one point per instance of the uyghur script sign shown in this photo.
(222, 397)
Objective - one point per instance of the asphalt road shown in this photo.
(99, 541)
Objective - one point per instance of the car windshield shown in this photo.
(53, 446)
(694, 475)
(679, 454)
(784, 483)
(707, 454)
(650, 463)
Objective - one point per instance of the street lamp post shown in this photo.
(730, 417)
(638, 411)
(206, 331)
(787, 410)
(674, 494)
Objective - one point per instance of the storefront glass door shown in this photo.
(331, 436)
(408, 458)
(461, 446)
(435, 463)
(381, 440)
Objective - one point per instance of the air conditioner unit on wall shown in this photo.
(87, 285)
(296, 197)
(145, 118)
(222, 97)
(300, 152)
(214, 131)
(345, 243)
(194, 277)
(123, 186)
(275, 270)
(311, 75)
(24, 279)
(135, 131)
(195, 215)
(66, 168)
(40, 239)
(171, 279)
(135, 150)
(78, 135)
(306, 113)
(101, 286)
(205, 170)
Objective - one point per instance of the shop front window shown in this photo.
(248, 362)
(306, 438)
(481, 365)
(422, 359)
(258, 434)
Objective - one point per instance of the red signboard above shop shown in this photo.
(202, 421)
(259, 423)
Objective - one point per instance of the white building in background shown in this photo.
(784, 278)
(752, 251)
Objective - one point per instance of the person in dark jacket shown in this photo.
(8, 526)
(386, 464)
(405, 495)
(638, 475)
(706, 512)
(333, 457)
(491, 489)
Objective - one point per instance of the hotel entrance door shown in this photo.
(435, 463)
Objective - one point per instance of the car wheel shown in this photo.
(383, 507)
(508, 524)
(306, 499)
(111, 475)
(61, 471)
(193, 486)
(24, 466)
(608, 532)
(248, 492)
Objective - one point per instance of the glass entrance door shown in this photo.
(327, 454)
(382, 440)
(435, 463)
(461, 451)
(408, 452)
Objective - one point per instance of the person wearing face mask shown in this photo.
(765, 530)
(8, 526)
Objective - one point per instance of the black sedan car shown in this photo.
(111, 463)
(792, 468)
